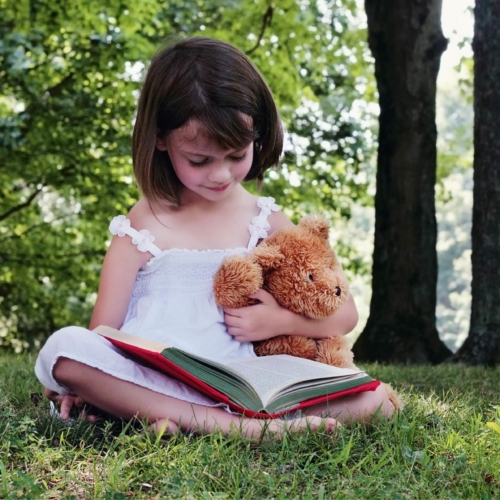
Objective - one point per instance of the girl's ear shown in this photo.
(161, 142)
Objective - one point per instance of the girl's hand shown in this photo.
(258, 322)
(67, 402)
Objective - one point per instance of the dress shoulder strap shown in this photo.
(120, 226)
(260, 225)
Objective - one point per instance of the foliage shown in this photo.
(445, 444)
(65, 130)
(70, 73)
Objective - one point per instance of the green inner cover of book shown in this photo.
(268, 387)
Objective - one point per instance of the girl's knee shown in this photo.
(65, 339)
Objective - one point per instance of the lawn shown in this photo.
(445, 444)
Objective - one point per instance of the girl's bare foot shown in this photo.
(312, 423)
(256, 429)
(164, 426)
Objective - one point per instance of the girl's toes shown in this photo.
(164, 426)
(314, 424)
(326, 424)
(331, 424)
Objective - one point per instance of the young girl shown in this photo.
(206, 122)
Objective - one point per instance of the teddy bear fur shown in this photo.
(299, 268)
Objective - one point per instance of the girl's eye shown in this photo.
(240, 158)
(198, 163)
(206, 160)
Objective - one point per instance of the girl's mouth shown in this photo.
(219, 188)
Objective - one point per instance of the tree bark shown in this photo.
(406, 40)
(482, 347)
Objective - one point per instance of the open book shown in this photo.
(265, 387)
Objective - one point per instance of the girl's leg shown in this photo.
(359, 406)
(127, 400)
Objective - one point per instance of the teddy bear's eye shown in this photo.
(311, 277)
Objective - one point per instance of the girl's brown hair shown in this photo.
(215, 83)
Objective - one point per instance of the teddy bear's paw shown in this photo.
(237, 277)
(335, 351)
(301, 347)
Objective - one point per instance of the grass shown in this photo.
(441, 446)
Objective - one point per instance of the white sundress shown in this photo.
(172, 302)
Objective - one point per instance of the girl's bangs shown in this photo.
(228, 127)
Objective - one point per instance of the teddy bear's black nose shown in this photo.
(338, 291)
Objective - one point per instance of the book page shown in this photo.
(113, 333)
(271, 374)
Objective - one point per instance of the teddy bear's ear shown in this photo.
(267, 256)
(317, 225)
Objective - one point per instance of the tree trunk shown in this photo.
(483, 343)
(406, 40)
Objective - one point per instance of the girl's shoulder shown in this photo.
(122, 252)
(158, 223)
(276, 218)
(141, 216)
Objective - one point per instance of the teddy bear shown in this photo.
(300, 269)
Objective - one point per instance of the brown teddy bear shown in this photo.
(300, 269)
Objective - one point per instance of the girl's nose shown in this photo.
(220, 173)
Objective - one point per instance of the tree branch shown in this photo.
(19, 207)
(266, 21)
(34, 227)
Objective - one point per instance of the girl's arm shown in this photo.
(268, 319)
(119, 270)
(341, 323)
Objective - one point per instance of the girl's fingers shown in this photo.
(232, 321)
(79, 402)
(67, 403)
(88, 417)
(234, 331)
(232, 312)
(50, 394)
(261, 295)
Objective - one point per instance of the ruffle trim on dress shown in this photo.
(260, 225)
(120, 226)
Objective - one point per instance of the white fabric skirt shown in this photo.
(93, 350)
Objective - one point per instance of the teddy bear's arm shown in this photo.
(237, 277)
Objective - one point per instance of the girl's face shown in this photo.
(205, 170)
